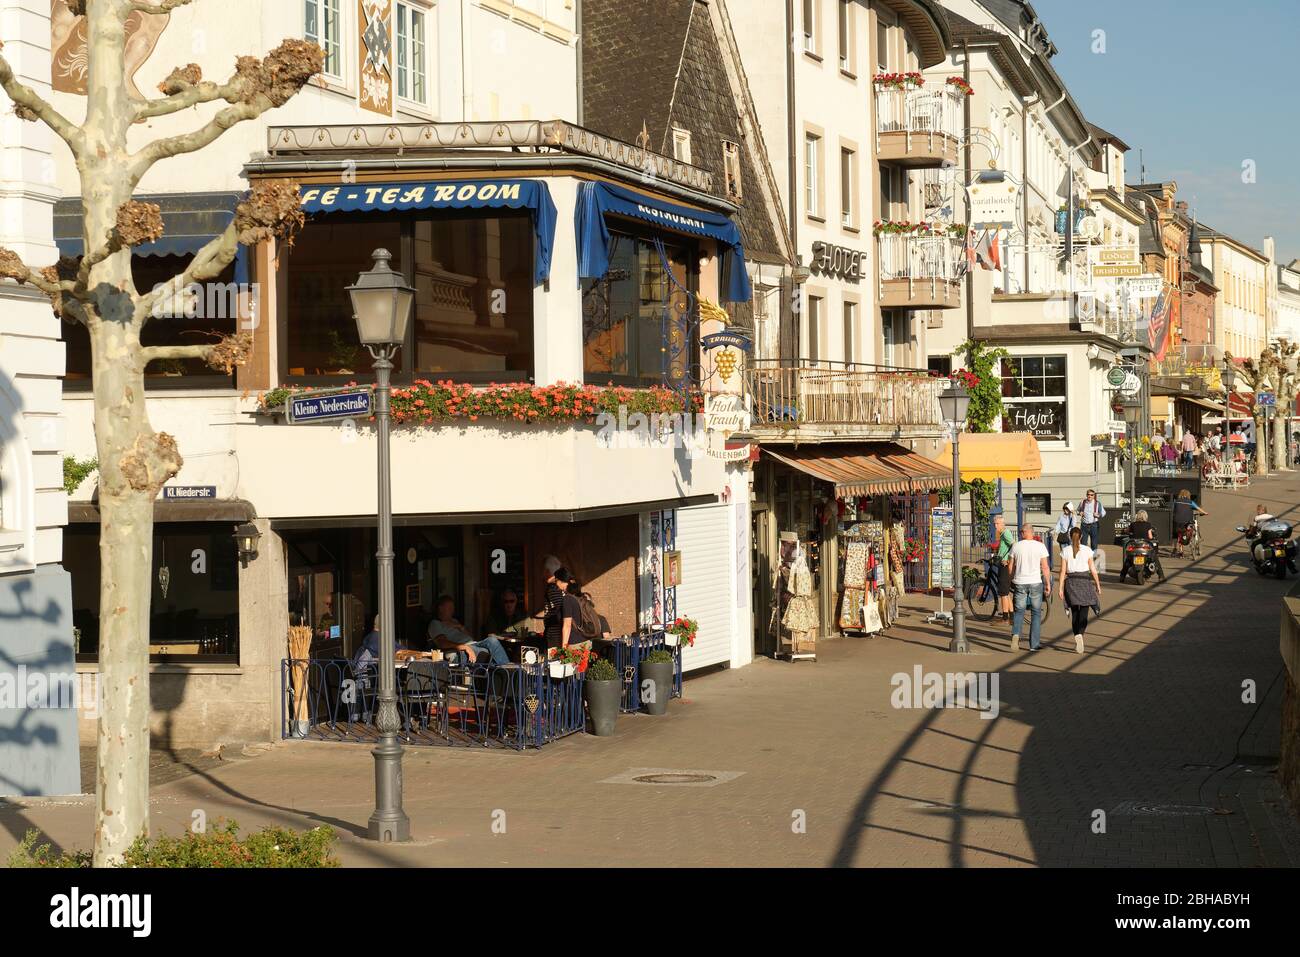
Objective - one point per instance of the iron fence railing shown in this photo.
(806, 392)
(439, 703)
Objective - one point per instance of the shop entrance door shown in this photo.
(762, 540)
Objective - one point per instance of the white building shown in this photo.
(38, 745)
(451, 143)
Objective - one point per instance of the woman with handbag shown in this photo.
(1079, 587)
(1068, 520)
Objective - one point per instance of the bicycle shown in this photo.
(982, 594)
(1189, 540)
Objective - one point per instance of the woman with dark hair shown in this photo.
(1079, 587)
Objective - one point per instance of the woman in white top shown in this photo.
(1079, 586)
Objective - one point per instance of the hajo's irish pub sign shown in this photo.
(837, 261)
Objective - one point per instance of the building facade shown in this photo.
(452, 144)
(39, 748)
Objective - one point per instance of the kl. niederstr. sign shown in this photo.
(333, 405)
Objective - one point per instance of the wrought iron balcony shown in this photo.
(819, 398)
(920, 271)
(918, 126)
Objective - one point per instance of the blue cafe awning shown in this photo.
(528, 194)
(597, 200)
(190, 222)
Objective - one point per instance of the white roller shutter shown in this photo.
(707, 591)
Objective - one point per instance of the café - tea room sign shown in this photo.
(1043, 420)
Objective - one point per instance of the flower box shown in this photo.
(561, 669)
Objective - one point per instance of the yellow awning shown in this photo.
(989, 456)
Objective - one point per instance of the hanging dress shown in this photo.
(801, 611)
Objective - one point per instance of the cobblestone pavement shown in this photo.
(1146, 734)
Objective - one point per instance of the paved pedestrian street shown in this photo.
(1141, 752)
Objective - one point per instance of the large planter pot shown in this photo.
(656, 686)
(602, 704)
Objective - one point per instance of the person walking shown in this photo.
(1029, 576)
(1080, 586)
(1067, 521)
(1189, 449)
(1091, 512)
(1003, 540)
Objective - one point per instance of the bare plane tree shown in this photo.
(98, 291)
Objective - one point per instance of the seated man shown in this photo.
(448, 634)
(1259, 518)
(366, 657)
(508, 617)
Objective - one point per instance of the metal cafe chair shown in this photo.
(419, 694)
(455, 689)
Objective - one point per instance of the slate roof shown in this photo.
(660, 63)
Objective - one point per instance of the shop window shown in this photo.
(322, 25)
(194, 605)
(1034, 395)
(940, 365)
(473, 314)
(211, 314)
(630, 314)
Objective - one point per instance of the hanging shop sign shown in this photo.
(992, 202)
(1145, 286)
(838, 262)
(1042, 420)
(1131, 385)
(941, 548)
(1115, 375)
(1118, 254)
(725, 412)
(731, 340)
(334, 405)
(1111, 270)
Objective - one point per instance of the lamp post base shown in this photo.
(389, 823)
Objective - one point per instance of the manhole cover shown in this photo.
(674, 778)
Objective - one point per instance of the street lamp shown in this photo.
(1132, 417)
(1228, 376)
(381, 301)
(954, 402)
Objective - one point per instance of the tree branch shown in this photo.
(46, 280)
(256, 86)
(208, 263)
(27, 99)
(150, 353)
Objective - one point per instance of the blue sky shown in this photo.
(1200, 86)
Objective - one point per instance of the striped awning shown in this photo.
(865, 468)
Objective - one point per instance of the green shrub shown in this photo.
(31, 854)
(658, 657)
(601, 670)
(76, 471)
(219, 847)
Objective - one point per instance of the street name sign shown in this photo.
(326, 406)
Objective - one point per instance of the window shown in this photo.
(323, 26)
(882, 45)
(213, 312)
(942, 365)
(812, 164)
(893, 193)
(681, 144)
(1034, 395)
(814, 326)
(848, 189)
(626, 315)
(850, 324)
(845, 35)
(412, 68)
(731, 171)
(810, 26)
(195, 600)
(473, 315)
(888, 336)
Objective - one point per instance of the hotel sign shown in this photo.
(837, 261)
(993, 204)
(333, 405)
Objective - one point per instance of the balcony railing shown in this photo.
(920, 271)
(807, 392)
(1189, 359)
(918, 125)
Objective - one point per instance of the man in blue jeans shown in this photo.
(1029, 574)
(1091, 513)
(449, 634)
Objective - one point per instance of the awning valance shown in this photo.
(989, 456)
(865, 468)
(190, 222)
(1203, 403)
(597, 200)
(529, 194)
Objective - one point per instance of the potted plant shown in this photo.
(602, 689)
(681, 630)
(656, 681)
(960, 84)
(568, 661)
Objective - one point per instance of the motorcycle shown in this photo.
(1271, 548)
(1138, 555)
